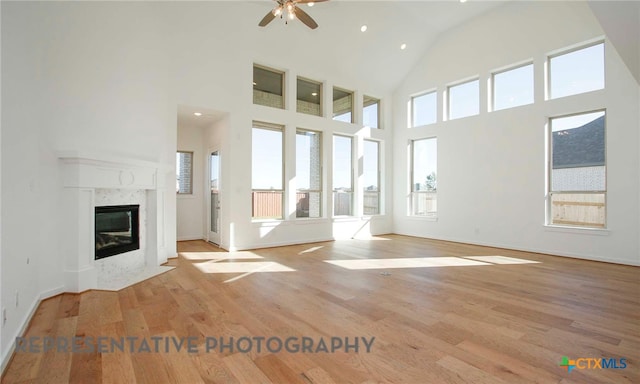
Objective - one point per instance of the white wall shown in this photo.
(108, 77)
(190, 210)
(75, 78)
(2, 362)
(491, 167)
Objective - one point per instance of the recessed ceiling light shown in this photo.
(403, 46)
(197, 113)
(314, 93)
(311, 3)
(463, 1)
(363, 28)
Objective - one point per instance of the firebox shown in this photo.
(117, 230)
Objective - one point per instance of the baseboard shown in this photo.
(281, 244)
(189, 238)
(550, 252)
(8, 354)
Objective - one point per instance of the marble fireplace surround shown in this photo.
(91, 180)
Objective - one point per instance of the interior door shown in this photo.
(214, 199)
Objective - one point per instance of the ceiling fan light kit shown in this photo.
(290, 7)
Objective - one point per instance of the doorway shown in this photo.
(214, 198)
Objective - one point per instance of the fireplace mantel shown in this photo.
(91, 170)
(83, 173)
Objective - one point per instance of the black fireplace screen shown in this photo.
(116, 230)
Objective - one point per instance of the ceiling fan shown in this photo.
(290, 7)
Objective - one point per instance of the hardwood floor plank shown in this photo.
(245, 370)
(467, 317)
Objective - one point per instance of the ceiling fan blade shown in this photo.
(305, 18)
(267, 19)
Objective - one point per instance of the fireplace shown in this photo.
(116, 230)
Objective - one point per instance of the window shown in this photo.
(424, 109)
(513, 87)
(370, 112)
(184, 173)
(424, 181)
(268, 87)
(309, 97)
(342, 105)
(577, 71)
(267, 171)
(371, 177)
(342, 175)
(464, 99)
(577, 185)
(308, 173)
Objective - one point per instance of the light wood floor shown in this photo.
(449, 319)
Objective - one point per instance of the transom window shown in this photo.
(309, 97)
(464, 99)
(578, 71)
(342, 105)
(370, 112)
(268, 87)
(424, 109)
(513, 87)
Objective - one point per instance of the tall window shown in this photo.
(184, 173)
(342, 105)
(309, 97)
(266, 171)
(424, 177)
(577, 185)
(370, 112)
(513, 87)
(464, 99)
(577, 71)
(308, 173)
(342, 175)
(268, 87)
(424, 109)
(371, 178)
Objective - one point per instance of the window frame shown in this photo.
(549, 179)
(508, 69)
(457, 84)
(352, 176)
(568, 51)
(282, 74)
(321, 170)
(378, 177)
(412, 107)
(378, 104)
(412, 187)
(283, 191)
(191, 155)
(320, 95)
(352, 111)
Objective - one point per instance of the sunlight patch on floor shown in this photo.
(242, 267)
(312, 249)
(426, 262)
(220, 256)
(501, 260)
